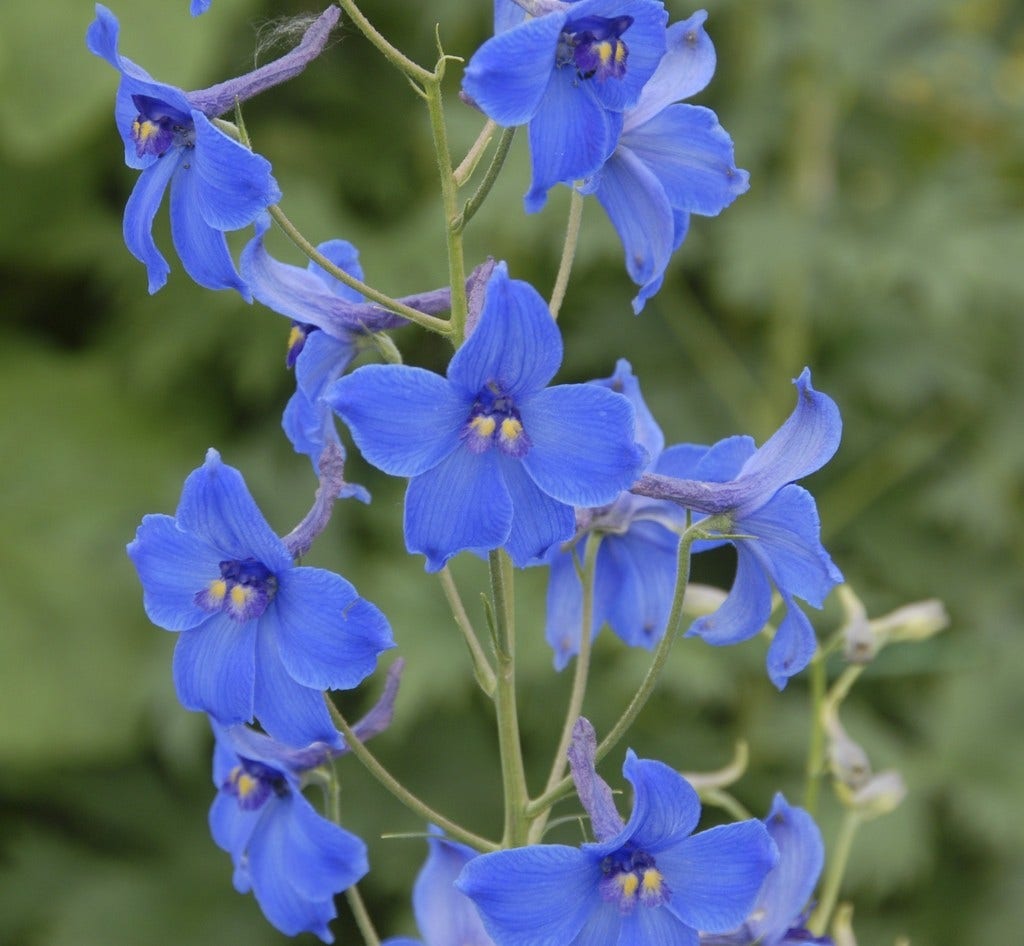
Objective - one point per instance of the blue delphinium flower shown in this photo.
(779, 915)
(445, 915)
(495, 458)
(259, 636)
(216, 183)
(568, 74)
(636, 561)
(650, 880)
(292, 859)
(671, 160)
(778, 533)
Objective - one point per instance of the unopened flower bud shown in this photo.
(881, 794)
(912, 622)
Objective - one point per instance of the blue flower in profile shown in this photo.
(775, 524)
(671, 160)
(293, 860)
(636, 561)
(216, 184)
(779, 915)
(259, 636)
(568, 74)
(496, 459)
(650, 880)
(445, 915)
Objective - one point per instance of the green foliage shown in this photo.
(880, 244)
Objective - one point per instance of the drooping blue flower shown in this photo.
(637, 559)
(293, 860)
(776, 523)
(259, 636)
(216, 184)
(779, 915)
(650, 880)
(671, 160)
(568, 74)
(445, 915)
(495, 458)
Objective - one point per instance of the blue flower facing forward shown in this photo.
(778, 533)
(293, 860)
(259, 636)
(216, 184)
(650, 880)
(670, 161)
(568, 74)
(495, 458)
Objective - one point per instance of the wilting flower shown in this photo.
(671, 160)
(637, 559)
(292, 859)
(773, 523)
(568, 74)
(216, 183)
(259, 636)
(495, 458)
(445, 915)
(650, 880)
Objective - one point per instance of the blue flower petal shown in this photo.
(715, 875)
(583, 451)
(508, 76)
(231, 827)
(685, 69)
(203, 249)
(571, 136)
(292, 713)
(692, 156)
(724, 460)
(215, 666)
(346, 257)
(328, 637)
(639, 209)
(216, 505)
(538, 521)
(792, 647)
(321, 858)
(199, 6)
(644, 927)
(445, 915)
(648, 433)
(746, 609)
(404, 420)
(462, 503)
(173, 567)
(516, 343)
(533, 896)
(143, 203)
(234, 185)
(604, 925)
(682, 460)
(564, 608)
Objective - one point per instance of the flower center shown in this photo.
(495, 420)
(252, 783)
(594, 46)
(243, 590)
(158, 127)
(631, 877)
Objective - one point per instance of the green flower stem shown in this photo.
(407, 798)
(449, 199)
(643, 694)
(513, 775)
(834, 872)
(468, 164)
(474, 203)
(579, 681)
(572, 235)
(362, 916)
(726, 801)
(429, 322)
(400, 61)
(482, 669)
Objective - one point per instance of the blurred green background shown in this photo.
(881, 243)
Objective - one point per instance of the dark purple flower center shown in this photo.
(593, 46)
(243, 590)
(252, 783)
(632, 877)
(297, 341)
(494, 420)
(158, 127)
